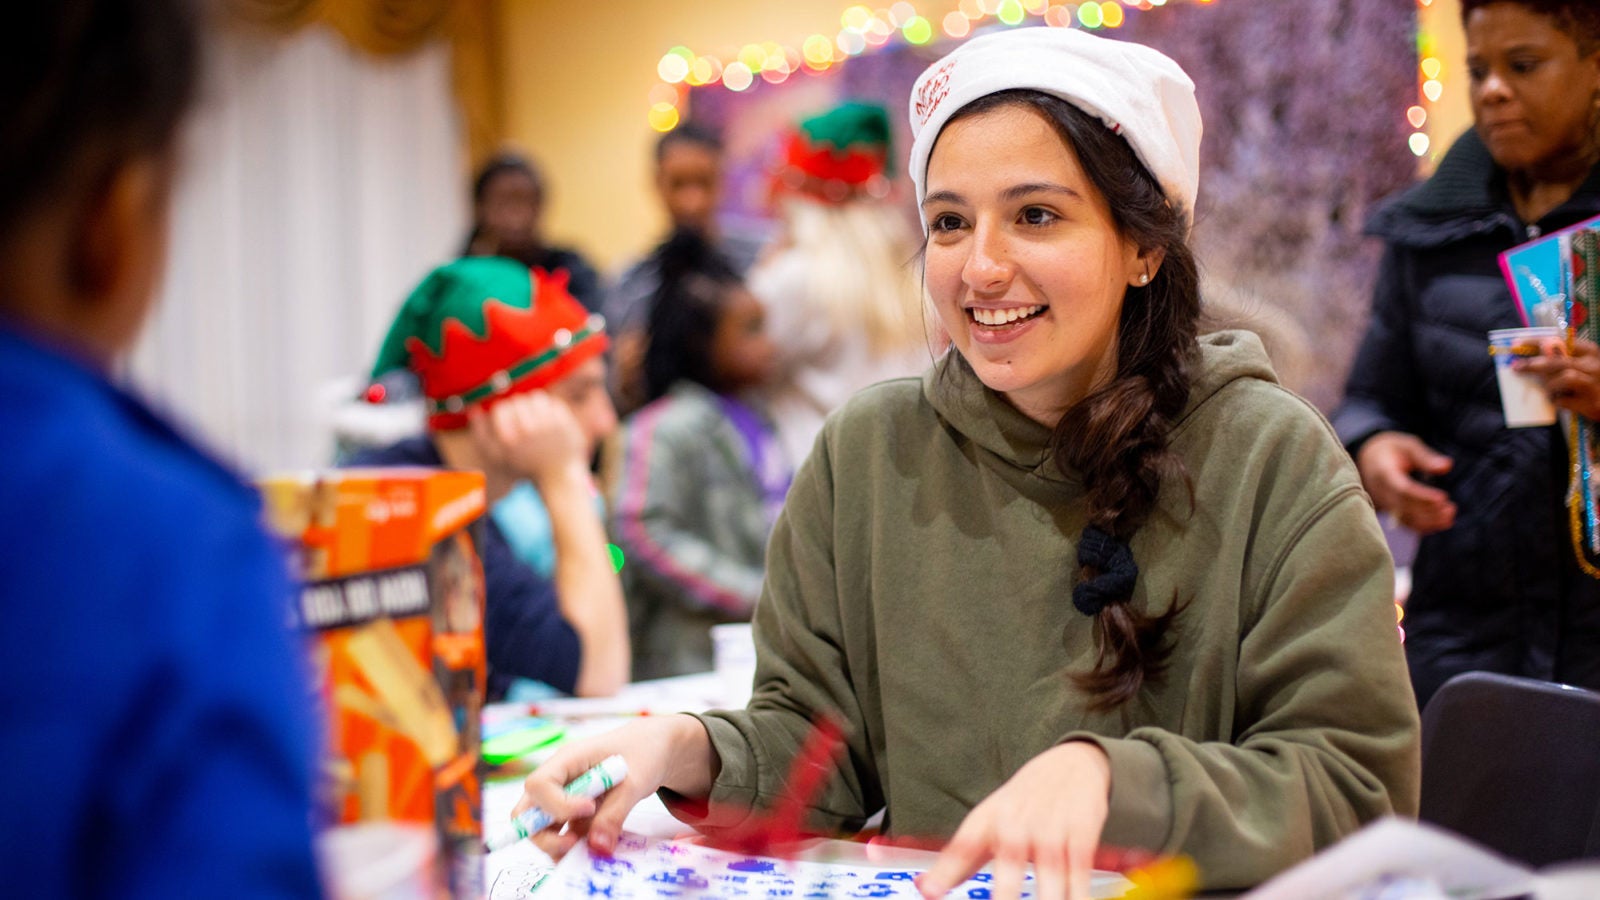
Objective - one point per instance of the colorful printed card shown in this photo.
(655, 869)
(1534, 272)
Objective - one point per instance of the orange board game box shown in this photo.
(392, 597)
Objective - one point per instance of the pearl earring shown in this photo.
(1144, 279)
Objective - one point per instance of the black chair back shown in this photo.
(1514, 764)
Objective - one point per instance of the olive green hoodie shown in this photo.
(919, 584)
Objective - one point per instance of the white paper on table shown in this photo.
(657, 869)
(1397, 847)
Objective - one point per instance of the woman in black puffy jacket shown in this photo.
(1496, 583)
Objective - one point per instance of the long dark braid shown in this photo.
(1116, 438)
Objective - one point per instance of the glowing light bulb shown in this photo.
(918, 30)
(1089, 15)
(672, 68)
(957, 25)
(817, 50)
(737, 76)
(663, 116)
(1010, 12)
(1417, 116)
(856, 19)
(1112, 14)
(1432, 90)
(664, 93)
(1419, 143)
(1431, 67)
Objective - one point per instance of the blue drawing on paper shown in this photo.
(753, 865)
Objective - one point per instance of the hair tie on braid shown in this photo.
(1118, 571)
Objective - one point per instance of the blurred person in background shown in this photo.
(1496, 585)
(688, 182)
(157, 738)
(508, 203)
(512, 371)
(844, 305)
(702, 475)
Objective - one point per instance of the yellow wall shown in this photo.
(578, 74)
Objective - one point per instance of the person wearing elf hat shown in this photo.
(513, 379)
(1094, 579)
(843, 307)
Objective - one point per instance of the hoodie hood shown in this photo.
(986, 418)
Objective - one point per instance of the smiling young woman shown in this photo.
(1090, 579)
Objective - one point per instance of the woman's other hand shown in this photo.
(1571, 377)
(665, 751)
(1387, 462)
(1049, 813)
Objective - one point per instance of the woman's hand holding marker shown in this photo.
(1049, 814)
(659, 751)
(591, 784)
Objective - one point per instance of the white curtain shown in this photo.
(319, 185)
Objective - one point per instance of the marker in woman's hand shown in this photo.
(592, 783)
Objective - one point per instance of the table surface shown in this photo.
(694, 693)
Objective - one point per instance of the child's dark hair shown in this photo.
(1116, 438)
(687, 133)
(87, 85)
(695, 280)
(1578, 19)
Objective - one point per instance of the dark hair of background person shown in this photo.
(1116, 438)
(1579, 19)
(502, 164)
(688, 133)
(688, 304)
(85, 86)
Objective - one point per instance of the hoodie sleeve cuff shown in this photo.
(733, 794)
(1140, 813)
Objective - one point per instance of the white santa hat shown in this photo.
(1137, 92)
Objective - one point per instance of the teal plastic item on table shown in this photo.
(506, 747)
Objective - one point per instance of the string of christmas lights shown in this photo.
(864, 30)
(1430, 87)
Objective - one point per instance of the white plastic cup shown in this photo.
(379, 861)
(733, 654)
(1522, 396)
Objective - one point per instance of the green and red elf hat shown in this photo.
(485, 328)
(838, 156)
